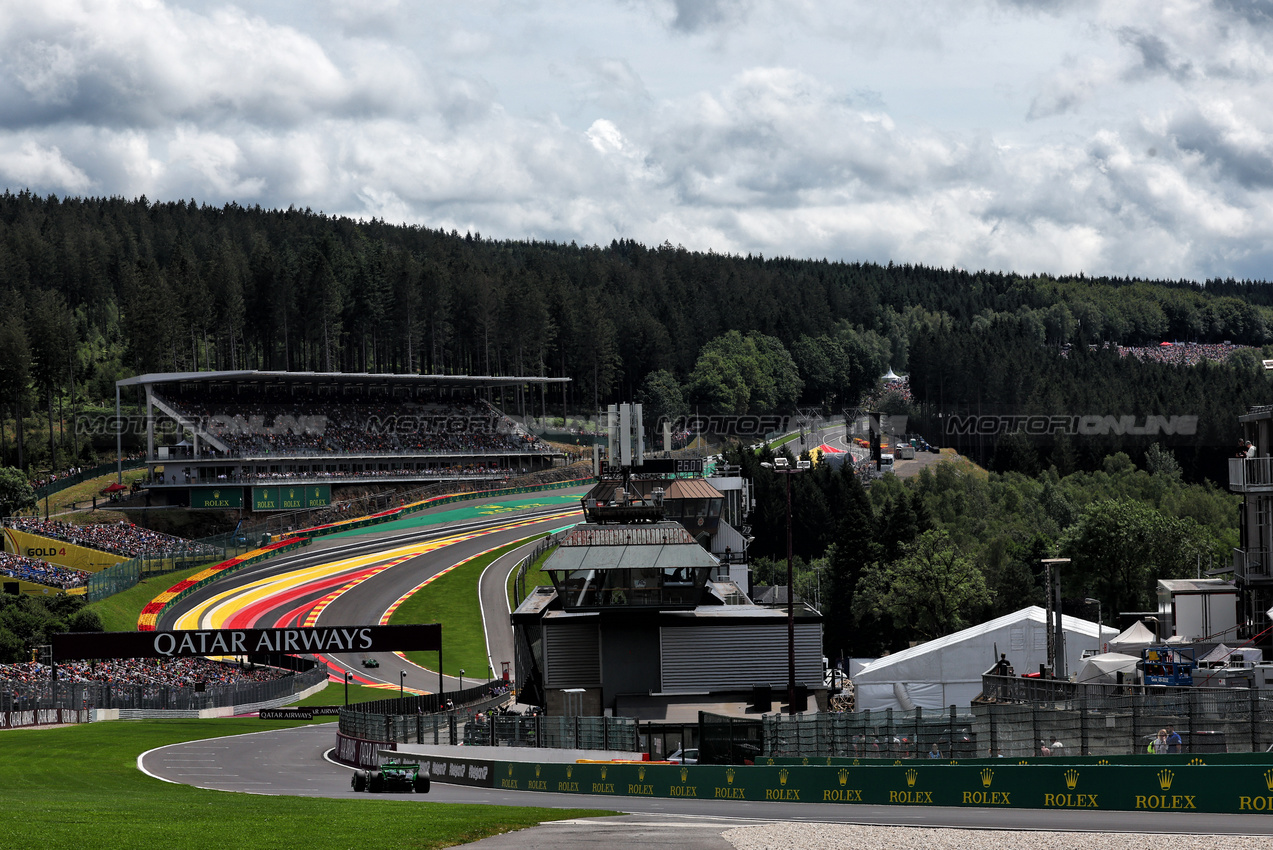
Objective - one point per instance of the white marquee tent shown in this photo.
(1133, 639)
(947, 671)
(1103, 669)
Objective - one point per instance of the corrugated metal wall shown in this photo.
(714, 658)
(572, 655)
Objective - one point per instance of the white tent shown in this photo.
(890, 376)
(1133, 639)
(1104, 669)
(947, 671)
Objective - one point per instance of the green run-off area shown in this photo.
(468, 512)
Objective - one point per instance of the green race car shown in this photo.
(392, 777)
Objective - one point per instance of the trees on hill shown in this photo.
(104, 287)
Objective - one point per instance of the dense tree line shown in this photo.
(100, 288)
(955, 545)
(28, 622)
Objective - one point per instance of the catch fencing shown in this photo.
(1208, 720)
(427, 719)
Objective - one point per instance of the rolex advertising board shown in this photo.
(982, 783)
(291, 497)
(212, 498)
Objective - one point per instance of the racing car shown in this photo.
(392, 777)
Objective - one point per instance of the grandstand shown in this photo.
(281, 440)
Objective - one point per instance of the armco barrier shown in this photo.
(1145, 787)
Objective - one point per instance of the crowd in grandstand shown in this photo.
(41, 572)
(172, 672)
(250, 426)
(120, 538)
(472, 469)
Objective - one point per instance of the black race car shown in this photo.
(370, 662)
(392, 777)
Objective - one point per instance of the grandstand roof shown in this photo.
(254, 376)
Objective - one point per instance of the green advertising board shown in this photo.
(211, 498)
(318, 495)
(291, 497)
(1192, 787)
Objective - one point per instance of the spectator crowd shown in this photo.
(170, 672)
(254, 426)
(122, 538)
(41, 572)
(1176, 353)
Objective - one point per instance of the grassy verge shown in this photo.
(782, 441)
(535, 576)
(119, 613)
(334, 694)
(82, 494)
(78, 788)
(452, 601)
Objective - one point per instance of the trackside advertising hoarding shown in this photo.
(70, 646)
(1196, 787)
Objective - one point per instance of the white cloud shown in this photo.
(25, 163)
(1129, 137)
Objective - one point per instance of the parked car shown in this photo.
(689, 756)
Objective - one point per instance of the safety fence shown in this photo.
(1207, 720)
(47, 694)
(1145, 786)
(467, 717)
(525, 564)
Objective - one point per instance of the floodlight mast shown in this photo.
(780, 466)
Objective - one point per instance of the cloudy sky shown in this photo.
(1131, 137)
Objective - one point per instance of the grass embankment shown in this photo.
(78, 788)
(81, 495)
(452, 601)
(535, 576)
(119, 612)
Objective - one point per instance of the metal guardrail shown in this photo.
(523, 566)
(1255, 473)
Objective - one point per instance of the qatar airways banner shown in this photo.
(180, 644)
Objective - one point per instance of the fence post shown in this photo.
(1135, 742)
(1083, 726)
(1255, 707)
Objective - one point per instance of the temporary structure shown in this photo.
(1104, 669)
(947, 671)
(1133, 639)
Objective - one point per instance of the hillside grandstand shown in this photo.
(296, 429)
